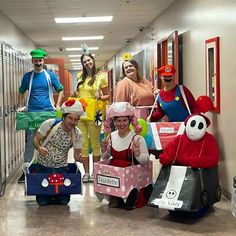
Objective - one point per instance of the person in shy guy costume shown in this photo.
(123, 145)
(38, 82)
(170, 101)
(195, 148)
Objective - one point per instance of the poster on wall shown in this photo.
(149, 64)
(118, 73)
(212, 62)
(139, 58)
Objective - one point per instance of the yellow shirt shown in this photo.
(88, 91)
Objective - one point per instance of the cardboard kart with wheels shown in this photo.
(118, 181)
(188, 180)
(53, 184)
(185, 189)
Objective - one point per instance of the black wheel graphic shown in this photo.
(204, 198)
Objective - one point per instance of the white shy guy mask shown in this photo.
(196, 127)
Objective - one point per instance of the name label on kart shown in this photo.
(167, 130)
(108, 181)
(167, 203)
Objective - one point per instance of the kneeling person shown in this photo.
(126, 147)
(53, 143)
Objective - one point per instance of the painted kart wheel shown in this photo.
(218, 193)
(98, 118)
(204, 198)
(45, 183)
(67, 182)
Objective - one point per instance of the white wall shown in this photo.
(10, 34)
(198, 20)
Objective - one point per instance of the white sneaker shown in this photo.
(85, 178)
(91, 178)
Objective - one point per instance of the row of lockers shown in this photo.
(13, 65)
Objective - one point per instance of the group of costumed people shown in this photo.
(125, 146)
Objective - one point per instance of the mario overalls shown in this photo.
(175, 109)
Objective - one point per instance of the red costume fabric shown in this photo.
(122, 158)
(202, 153)
(169, 96)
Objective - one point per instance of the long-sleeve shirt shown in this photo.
(136, 93)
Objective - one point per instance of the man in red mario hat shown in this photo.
(173, 100)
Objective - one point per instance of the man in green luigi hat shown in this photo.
(39, 84)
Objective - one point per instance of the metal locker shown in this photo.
(12, 118)
(2, 126)
(6, 94)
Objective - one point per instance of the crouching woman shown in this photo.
(125, 147)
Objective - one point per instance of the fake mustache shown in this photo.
(38, 65)
(168, 80)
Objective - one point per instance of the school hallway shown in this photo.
(86, 216)
(196, 37)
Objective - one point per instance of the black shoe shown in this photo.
(22, 178)
(132, 199)
(43, 200)
(114, 202)
(63, 199)
(148, 191)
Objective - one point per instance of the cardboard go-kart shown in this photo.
(53, 185)
(186, 191)
(120, 182)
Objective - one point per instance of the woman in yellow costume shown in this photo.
(91, 84)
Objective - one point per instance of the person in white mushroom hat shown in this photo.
(53, 141)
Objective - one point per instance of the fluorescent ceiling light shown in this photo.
(75, 60)
(77, 49)
(74, 55)
(83, 19)
(78, 55)
(82, 38)
(76, 63)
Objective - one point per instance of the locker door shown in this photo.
(2, 126)
(18, 133)
(6, 94)
(12, 118)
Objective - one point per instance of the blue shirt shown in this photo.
(40, 97)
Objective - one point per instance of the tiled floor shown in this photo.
(85, 215)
